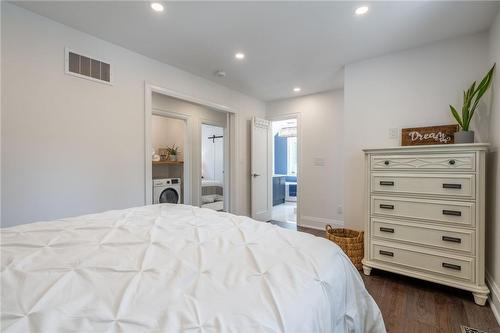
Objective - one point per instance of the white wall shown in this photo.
(493, 188)
(71, 146)
(166, 132)
(321, 135)
(406, 89)
(212, 152)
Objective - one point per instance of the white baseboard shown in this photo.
(494, 297)
(319, 222)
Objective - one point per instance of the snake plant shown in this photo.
(471, 100)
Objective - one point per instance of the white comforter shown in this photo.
(172, 268)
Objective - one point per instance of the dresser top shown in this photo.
(428, 148)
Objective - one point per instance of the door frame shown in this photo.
(233, 142)
(226, 153)
(288, 116)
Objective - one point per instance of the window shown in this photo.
(292, 156)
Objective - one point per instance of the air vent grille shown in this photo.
(87, 67)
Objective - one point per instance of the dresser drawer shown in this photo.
(450, 266)
(462, 186)
(459, 162)
(422, 209)
(455, 239)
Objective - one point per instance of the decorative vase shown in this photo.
(173, 158)
(464, 137)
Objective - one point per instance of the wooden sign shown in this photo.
(433, 135)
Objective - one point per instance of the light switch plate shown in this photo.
(393, 133)
(319, 161)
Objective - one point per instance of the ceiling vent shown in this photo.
(87, 67)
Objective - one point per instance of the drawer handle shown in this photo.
(386, 253)
(452, 212)
(391, 230)
(451, 162)
(386, 162)
(454, 186)
(383, 206)
(386, 183)
(451, 239)
(451, 266)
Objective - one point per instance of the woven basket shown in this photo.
(350, 241)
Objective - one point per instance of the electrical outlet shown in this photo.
(393, 133)
(339, 209)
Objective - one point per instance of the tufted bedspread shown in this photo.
(173, 268)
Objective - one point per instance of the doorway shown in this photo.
(285, 170)
(193, 112)
(168, 138)
(212, 167)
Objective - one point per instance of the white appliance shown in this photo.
(167, 190)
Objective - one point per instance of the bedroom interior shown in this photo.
(172, 166)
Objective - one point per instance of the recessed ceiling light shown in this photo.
(361, 10)
(157, 7)
(297, 89)
(239, 55)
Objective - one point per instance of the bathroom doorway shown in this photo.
(213, 165)
(285, 170)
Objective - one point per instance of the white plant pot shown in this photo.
(173, 158)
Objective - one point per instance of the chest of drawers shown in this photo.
(425, 214)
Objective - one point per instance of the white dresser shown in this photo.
(425, 214)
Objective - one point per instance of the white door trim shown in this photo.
(297, 116)
(149, 89)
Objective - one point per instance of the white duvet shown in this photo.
(173, 268)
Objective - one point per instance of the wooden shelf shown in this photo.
(168, 162)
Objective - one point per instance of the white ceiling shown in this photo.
(287, 44)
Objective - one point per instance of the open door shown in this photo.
(261, 169)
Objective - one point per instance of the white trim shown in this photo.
(188, 147)
(494, 298)
(149, 89)
(67, 50)
(319, 222)
(298, 117)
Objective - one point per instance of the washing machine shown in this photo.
(167, 190)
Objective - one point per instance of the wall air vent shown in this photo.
(87, 67)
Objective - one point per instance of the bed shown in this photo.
(212, 194)
(172, 268)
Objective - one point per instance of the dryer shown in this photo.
(167, 190)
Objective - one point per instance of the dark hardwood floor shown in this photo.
(412, 306)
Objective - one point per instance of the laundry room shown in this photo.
(168, 136)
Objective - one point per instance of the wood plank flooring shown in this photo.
(412, 306)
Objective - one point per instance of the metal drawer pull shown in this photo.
(451, 266)
(384, 229)
(386, 183)
(452, 212)
(386, 206)
(386, 253)
(454, 186)
(451, 239)
(386, 162)
(452, 162)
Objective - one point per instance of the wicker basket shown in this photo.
(350, 241)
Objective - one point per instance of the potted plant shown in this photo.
(472, 96)
(173, 152)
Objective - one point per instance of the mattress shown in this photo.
(173, 268)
